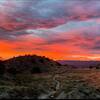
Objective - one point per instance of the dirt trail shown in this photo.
(55, 93)
(56, 86)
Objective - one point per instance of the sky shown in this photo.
(58, 29)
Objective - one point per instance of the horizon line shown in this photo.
(2, 58)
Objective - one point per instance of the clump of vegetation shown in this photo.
(20, 92)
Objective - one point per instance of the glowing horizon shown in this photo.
(58, 29)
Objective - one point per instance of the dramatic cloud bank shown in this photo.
(59, 29)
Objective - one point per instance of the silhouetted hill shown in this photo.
(80, 64)
(30, 64)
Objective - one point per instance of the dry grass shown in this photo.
(92, 77)
(71, 81)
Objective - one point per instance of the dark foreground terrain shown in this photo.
(35, 77)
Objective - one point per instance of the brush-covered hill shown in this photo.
(30, 64)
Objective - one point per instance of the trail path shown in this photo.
(55, 93)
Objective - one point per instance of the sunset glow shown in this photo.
(58, 29)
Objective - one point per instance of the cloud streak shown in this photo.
(60, 29)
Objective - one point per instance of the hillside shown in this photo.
(29, 64)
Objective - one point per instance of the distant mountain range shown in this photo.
(79, 64)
